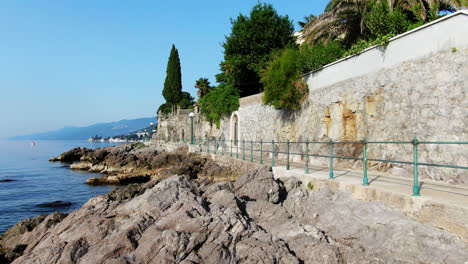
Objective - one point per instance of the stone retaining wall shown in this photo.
(423, 96)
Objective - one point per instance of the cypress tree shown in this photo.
(172, 90)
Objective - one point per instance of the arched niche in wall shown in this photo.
(234, 125)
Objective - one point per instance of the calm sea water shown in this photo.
(36, 180)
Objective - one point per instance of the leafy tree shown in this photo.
(203, 86)
(165, 108)
(284, 89)
(219, 102)
(186, 101)
(172, 90)
(248, 48)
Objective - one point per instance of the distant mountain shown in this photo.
(121, 127)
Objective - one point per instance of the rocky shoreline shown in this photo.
(187, 212)
(138, 163)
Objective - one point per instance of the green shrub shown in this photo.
(314, 57)
(186, 101)
(364, 44)
(381, 21)
(283, 87)
(139, 145)
(219, 102)
(165, 108)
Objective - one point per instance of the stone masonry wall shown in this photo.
(424, 98)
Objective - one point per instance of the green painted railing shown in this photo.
(217, 143)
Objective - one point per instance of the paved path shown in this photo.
(441, 205)
(456, 195)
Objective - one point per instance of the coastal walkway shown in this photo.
(440, 204)
(450, 194)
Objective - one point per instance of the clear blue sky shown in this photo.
(75, 63)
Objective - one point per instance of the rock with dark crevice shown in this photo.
(129, 191)
(258, 184)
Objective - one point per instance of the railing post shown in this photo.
(251, 151)
(215, 146)
(261, 151)
(222, 147)
(307, 158)
(191, 131)
(272, 153)
(243, 149)
(331, 175)
(237, 149)
(201, 145)
(208, 144)
(415, 167)
(287, 157)
(231, 146)
(365, 180)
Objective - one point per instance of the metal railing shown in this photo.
(238, 149)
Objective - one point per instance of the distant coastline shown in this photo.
(113, 129)
(115, 140)
(139, 136)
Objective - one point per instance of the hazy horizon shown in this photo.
(64, 127)
(81, 63)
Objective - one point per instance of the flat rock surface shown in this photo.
(254, 220)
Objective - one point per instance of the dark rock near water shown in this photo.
(119, 180)
(72, 155)
(55, 204)
(7, 180)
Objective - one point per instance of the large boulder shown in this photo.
(16, 239)
(258, 184)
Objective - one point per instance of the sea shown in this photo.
(35, 180)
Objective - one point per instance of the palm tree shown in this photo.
(344, 19)
(307, 19)
(203, 86)
(341, 19)
(421, 8)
